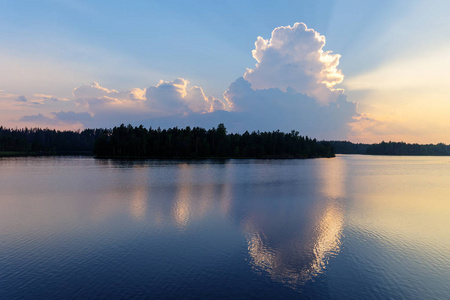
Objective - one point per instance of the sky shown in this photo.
(364, 71)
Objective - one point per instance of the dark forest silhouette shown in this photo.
(129, 141)
(36, 141)
(391, 148)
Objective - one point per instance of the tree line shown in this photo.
(391, 148)
(48, 141)
(129, 141)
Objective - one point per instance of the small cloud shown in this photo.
(58, 118)
(72, 117)
(39, 118)
(21, 99)
(93, 90)
(51, 98)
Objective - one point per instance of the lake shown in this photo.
(350, 227)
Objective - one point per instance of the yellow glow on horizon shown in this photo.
(405, 100)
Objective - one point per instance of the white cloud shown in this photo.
(107, 105)
(294, 58)
(89, 92)
(164, 99)
(168, 98)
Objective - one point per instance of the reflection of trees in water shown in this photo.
(195, 199)
(185, 193)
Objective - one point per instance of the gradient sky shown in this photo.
(394, 58)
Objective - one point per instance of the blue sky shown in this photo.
(52, 47)
(209, 42)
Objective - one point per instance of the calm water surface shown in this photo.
(351, 227)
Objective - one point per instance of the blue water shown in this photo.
(350, 227)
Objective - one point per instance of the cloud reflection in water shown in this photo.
(315, 235)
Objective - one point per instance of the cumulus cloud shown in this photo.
(108, 106)
(294, 58)
(93, 94)
(95, 91)
(167, 98)
(176, 97)
(272, 109)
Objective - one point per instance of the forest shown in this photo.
(390, 148)
(128, 141)
(36, 141)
